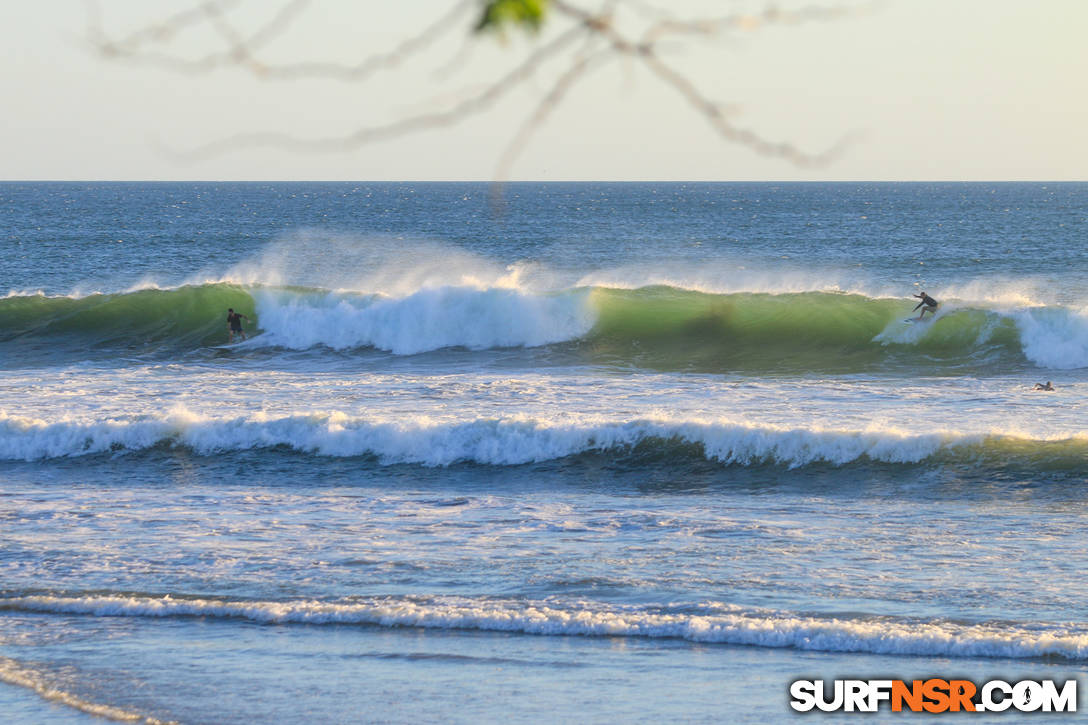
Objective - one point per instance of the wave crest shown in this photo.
(518, 440)
(711, 622)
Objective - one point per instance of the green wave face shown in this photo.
(183, 318)
(672, 329)
(655, 328)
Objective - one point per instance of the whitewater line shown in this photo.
(14, 673)
(511, 440)
(722, 624)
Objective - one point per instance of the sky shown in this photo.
(918, 89)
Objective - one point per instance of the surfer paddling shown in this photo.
(1040, 386)
(928, 304)
(234, 323)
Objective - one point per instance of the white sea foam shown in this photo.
(1054, 338)
(1051, 337)
(708, 622)
(427, 319)
(12, 293)
(506, 441)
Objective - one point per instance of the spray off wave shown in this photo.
(712, 622)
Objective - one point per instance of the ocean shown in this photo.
(549, 452)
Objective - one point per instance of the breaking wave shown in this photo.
(180, 318)
(655, 327)
(428, 319)
(516, 441)
(708, 622)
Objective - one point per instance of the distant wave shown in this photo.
(706, 622)
(653, 327)
(515, 441)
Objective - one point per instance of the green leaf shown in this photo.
(498, 15)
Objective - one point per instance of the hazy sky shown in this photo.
(929, 89)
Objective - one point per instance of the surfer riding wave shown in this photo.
(234, 324)
(928, 304)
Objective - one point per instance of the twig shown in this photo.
(155, 32)
(746, 137)
(645, 50)
(240, 51)
(543, 109)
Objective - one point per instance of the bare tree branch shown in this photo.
(772, 15)
(380, 61)
(746, 137)
(240, 51)
(159, 32)
(643, 48)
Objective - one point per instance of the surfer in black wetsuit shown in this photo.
(1040, 386)
(928, 304)
(234, 323)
